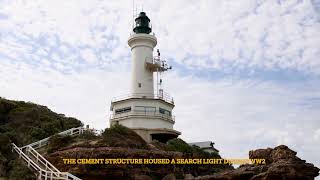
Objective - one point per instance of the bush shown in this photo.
(4, 144)
(121, 136)
(24, 123)
(51, 128)
(6, 106)
(18, 171)
(37, 133)
(179, 145)
(88, 135)
(58, 141)
(159, 145)
(119, 129)
(70, 122)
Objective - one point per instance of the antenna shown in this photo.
(136, 11)
(132, 14)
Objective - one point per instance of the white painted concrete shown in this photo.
(142, 102)
(144, 116)
(142, 50)
(147, 122)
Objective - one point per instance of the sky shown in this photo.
(246, 74)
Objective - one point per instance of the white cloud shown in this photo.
(88, 55)
(244, 115)
(317, 135)
(251, 34)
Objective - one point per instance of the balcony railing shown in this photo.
(143, 113)
(156, 64)
(163, 96)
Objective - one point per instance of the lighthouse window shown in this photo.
(164, 111)
(139, 85)
(145, 109)
(123, 110)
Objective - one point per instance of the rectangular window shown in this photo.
(164, 111)
(123, 110)
(145, 109)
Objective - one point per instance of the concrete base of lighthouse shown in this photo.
(150, 117)
(161, 135)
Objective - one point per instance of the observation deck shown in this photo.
(143, 114)
(156, 96)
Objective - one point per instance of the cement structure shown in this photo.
(145, 110)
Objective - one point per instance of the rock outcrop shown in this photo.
(281, 164)
(126, 171)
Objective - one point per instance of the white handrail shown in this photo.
(44, 142)
(49, 171)
(162, 96)
(25, 157)
(146, 114)
(41, 159)
(43, 173)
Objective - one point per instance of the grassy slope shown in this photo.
(23, 123)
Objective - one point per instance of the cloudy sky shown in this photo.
(246, 74)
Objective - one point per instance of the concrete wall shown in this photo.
(144, 120)
(142, 49)
(142, 102)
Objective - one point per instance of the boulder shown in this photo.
(281, 164)
(142, 177)
(170, 176)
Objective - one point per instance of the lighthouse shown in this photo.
(146, 110)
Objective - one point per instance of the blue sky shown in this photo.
(246, 74)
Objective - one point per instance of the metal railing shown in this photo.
(45, 170)
(143, 113)
(44, 142)
(163, 96)
(40, 160)
(157, 64)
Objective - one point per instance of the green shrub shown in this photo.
(3, 165)
(159, 145)
(37, 133)
(87, 135)
(179, 145)
(4, 144)
(119, 129)
(51, 127)
(58, 141)
(121, 136)
(70, 123)
(18, 171)
(24, 123)
(6, 106)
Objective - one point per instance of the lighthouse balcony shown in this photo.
(158, 96)
(138, 114)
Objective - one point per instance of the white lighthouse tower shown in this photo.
(145, 110)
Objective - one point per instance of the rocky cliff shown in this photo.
(281, 164)
(121, 142)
